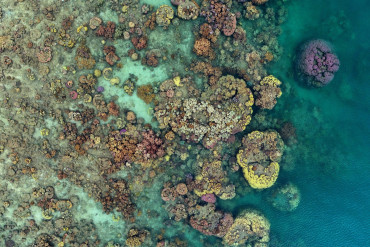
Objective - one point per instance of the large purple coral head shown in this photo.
(317, 63)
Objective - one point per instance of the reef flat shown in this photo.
(152, 122)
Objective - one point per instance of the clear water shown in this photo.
(332, 165)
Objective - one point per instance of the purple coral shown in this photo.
(208, 198)
(317, 63)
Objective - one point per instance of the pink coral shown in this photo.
(44, 55)
(208, 198)
(211, 222)
(229, 25)
(151, 147)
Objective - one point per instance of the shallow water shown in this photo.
(330, 163)
(332, 168)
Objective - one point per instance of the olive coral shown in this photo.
(136, 237)
(188, 10)
(146, 93)
(259, 158)
(212, 180)
(285, 198)
(164, 15)
(249, 227)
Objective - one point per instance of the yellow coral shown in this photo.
(213, 184)
(249, 226)
(250, 102)
(270, 80)
(177, 81)
(84, 28)
(44, 132)
(167, 157)
(264, 180)
(124, 8)
(97, 73)
(133, 241)
(239, 157)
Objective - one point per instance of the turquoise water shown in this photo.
(332, 162)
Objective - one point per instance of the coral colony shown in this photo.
(316, 63)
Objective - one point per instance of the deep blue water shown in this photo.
(332, 160)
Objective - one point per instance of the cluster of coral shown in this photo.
(182, 203)
(77, 161)
(210, 116)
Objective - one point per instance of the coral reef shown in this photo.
(202, 47)
(140, 42)
(110, 55)
(204, 218)
(84, 160)
(84, 59)
(146, 93)
(107, 31)
(212, 181)
(136, 237)
(259, 2)
(218, 15)
(118, 198)
(150, 148)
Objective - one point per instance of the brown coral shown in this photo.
(146, 93)
(122, 148)
(84, 58)
(259, 2)
(140, 42)
(110, 55)
(202, 47)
